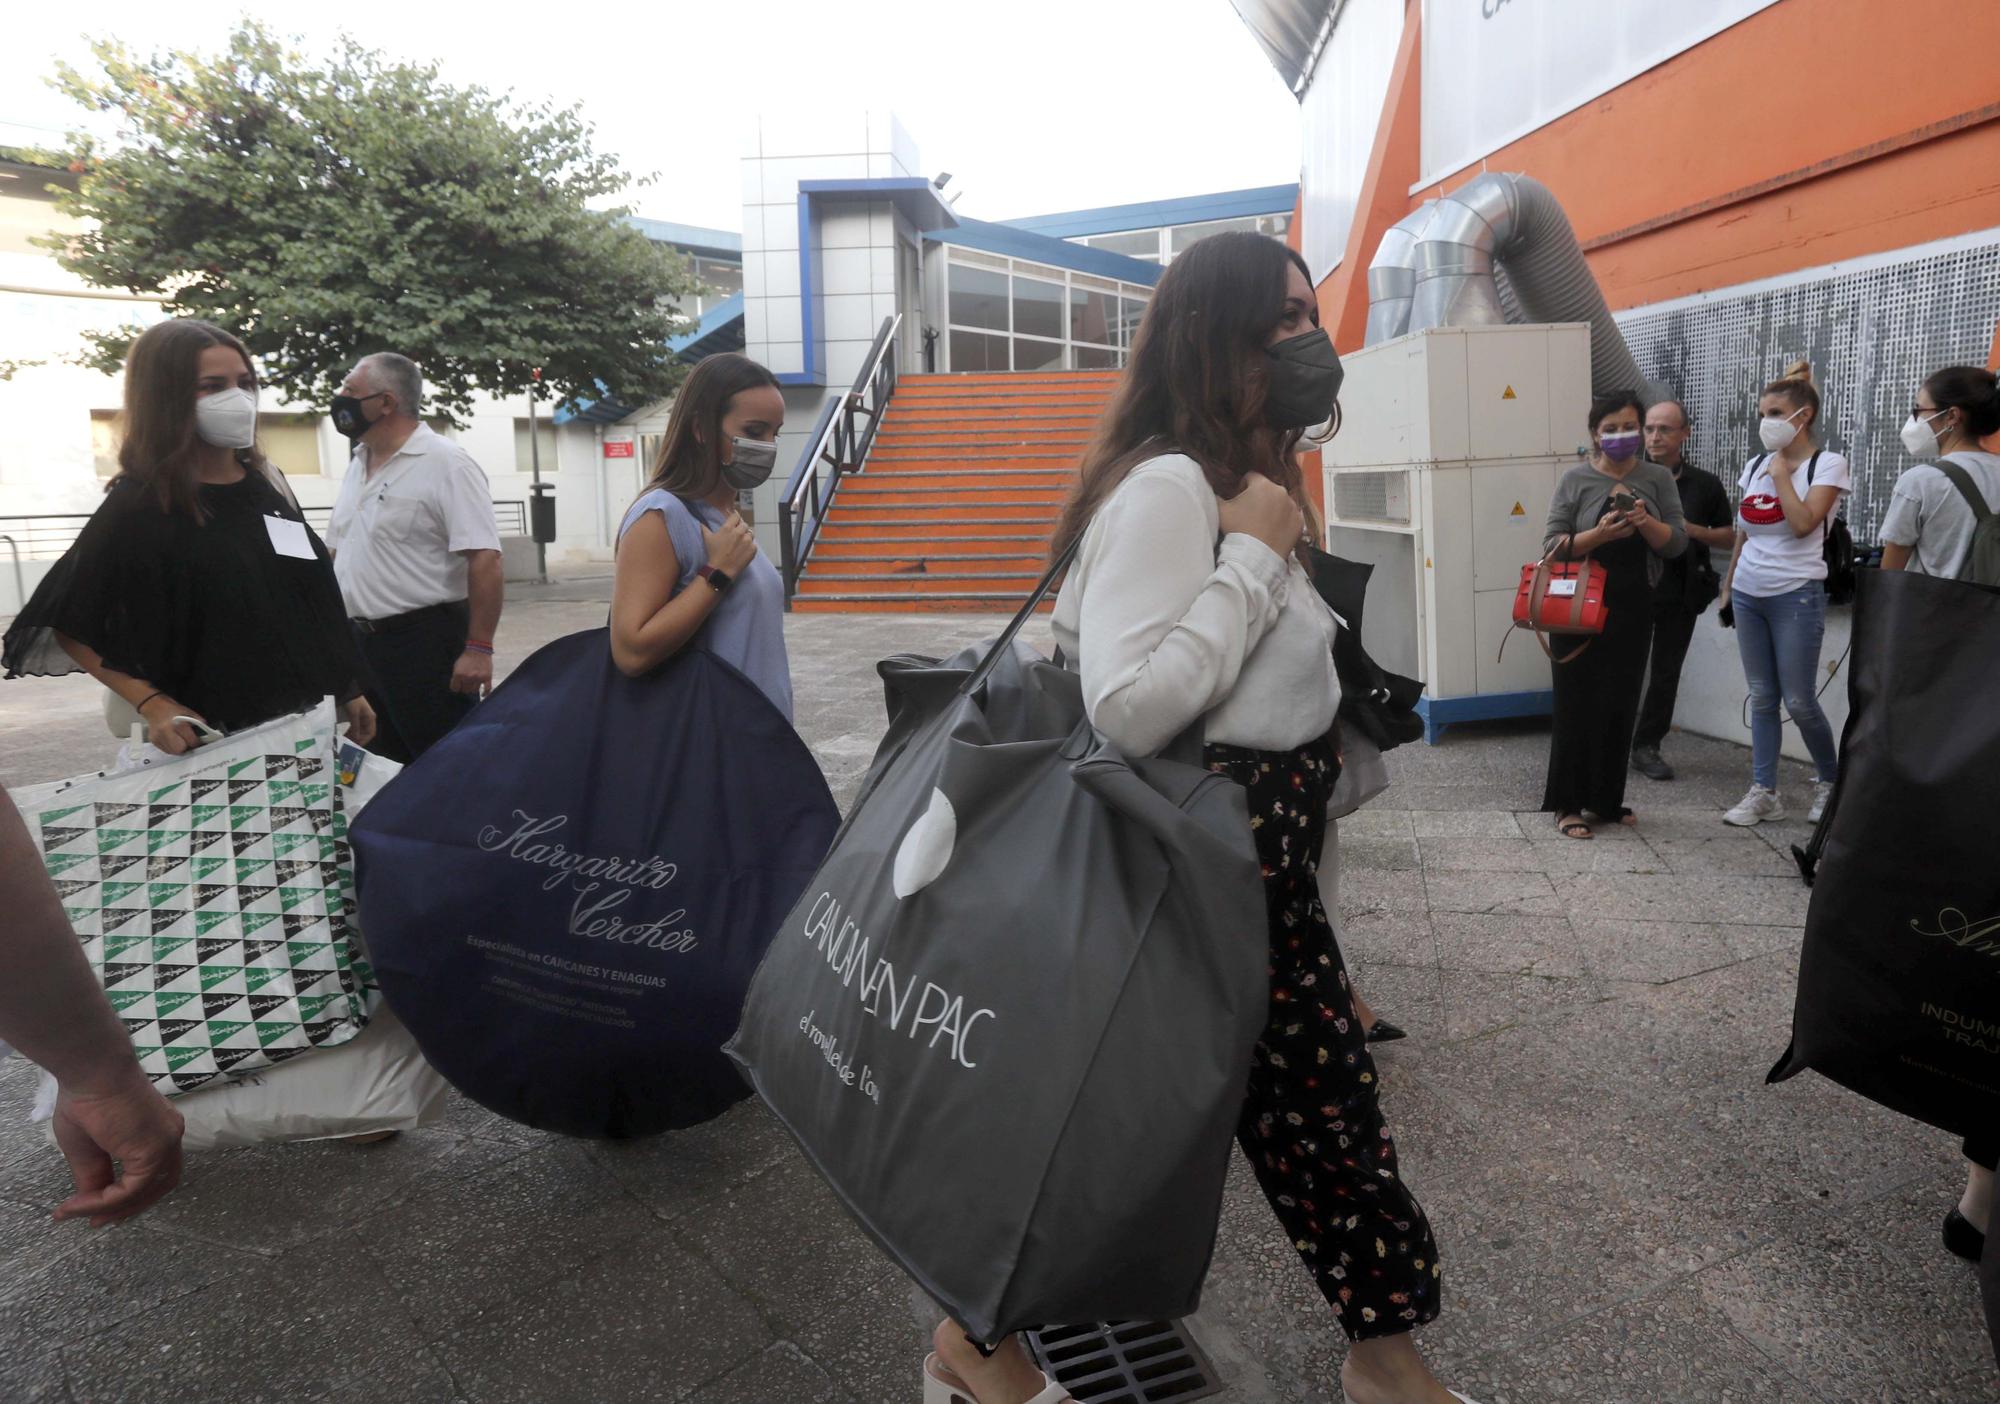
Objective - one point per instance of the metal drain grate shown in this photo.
(1126, 1362)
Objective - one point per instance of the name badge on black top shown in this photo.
(288, 538)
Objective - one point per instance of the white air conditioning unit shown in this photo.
(1451, 444)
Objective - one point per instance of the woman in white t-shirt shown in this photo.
(1929, 529)
(1930, 524)
(1776, 587)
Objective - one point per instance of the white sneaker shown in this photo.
(1822, 792)
(1760, 806)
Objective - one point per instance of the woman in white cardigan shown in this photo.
(1187, 604)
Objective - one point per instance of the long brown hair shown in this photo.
(690, 461)
(161, 454)
(1195, 383)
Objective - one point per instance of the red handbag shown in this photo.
(1561, 597)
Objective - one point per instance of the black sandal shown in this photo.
(1576, 828)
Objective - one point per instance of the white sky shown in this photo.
(1035, 105)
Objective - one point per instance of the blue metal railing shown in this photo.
(839, 446)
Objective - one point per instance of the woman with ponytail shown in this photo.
(1776, 589)
(1931, 521)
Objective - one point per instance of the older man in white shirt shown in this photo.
(417, 554)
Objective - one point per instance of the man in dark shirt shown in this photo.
(1687, 585)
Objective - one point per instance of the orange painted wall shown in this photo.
(1802, 85)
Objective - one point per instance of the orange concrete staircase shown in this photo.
(961, 489)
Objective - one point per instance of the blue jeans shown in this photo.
(1779, 638)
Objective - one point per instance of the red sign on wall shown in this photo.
(618, 448)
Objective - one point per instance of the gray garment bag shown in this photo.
(1011, 1019)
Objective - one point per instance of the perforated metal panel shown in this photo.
(1872, 336)
(1372, 497)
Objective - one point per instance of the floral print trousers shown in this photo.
(1312, 1123)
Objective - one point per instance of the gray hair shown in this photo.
(399, 376)
(1679, 408)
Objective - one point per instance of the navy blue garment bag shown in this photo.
(565, 898)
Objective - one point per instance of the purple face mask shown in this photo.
(1619, 447)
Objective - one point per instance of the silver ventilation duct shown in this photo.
(1392, 277)
(1511, 221)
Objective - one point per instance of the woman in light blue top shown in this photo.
(688, 567)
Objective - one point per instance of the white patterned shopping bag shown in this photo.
(213, 893)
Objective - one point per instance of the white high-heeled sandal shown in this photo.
(941, 1386)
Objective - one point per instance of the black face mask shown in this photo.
(1305, 375)
(348, 417)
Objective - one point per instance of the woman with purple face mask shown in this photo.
(1625, 513)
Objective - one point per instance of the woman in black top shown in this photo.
(196, 589)
(1626, 514)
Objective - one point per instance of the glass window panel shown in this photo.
(1277, 225)
(975, 351)
(1130, 313)
(104, 441)
(1038, 307)
(291, 443)
(1097, 357)
(1037, 355)
(1144, 243)
(721, 281)
(1186, 236)
(1093, 316)
(978, 297)
(545, 441)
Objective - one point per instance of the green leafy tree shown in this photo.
(322, 212)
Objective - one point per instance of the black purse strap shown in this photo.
(978, 675)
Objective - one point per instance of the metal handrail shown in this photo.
(838, 447)
(45, 536)
(20, 580)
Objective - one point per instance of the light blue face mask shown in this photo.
(751, 463)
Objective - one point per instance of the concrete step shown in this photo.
(838, 535)
(940, 514)
(916, 583)
(885, 492)
(991, 459)
(910, 474)
(922, 562)
(920, 436)
(954, 602)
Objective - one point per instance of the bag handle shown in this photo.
(978, 676)
(1538, 591)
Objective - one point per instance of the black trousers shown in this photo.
(1673, 631)
(1312, 1122)
(411, 657)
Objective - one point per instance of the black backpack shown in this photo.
(1839, 547)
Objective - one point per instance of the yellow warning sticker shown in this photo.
(1509, 394)
(1519, 511)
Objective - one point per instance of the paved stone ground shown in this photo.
(1627, 1212)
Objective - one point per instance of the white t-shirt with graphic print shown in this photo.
(1775, 560)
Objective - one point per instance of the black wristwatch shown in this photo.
(717, 580)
